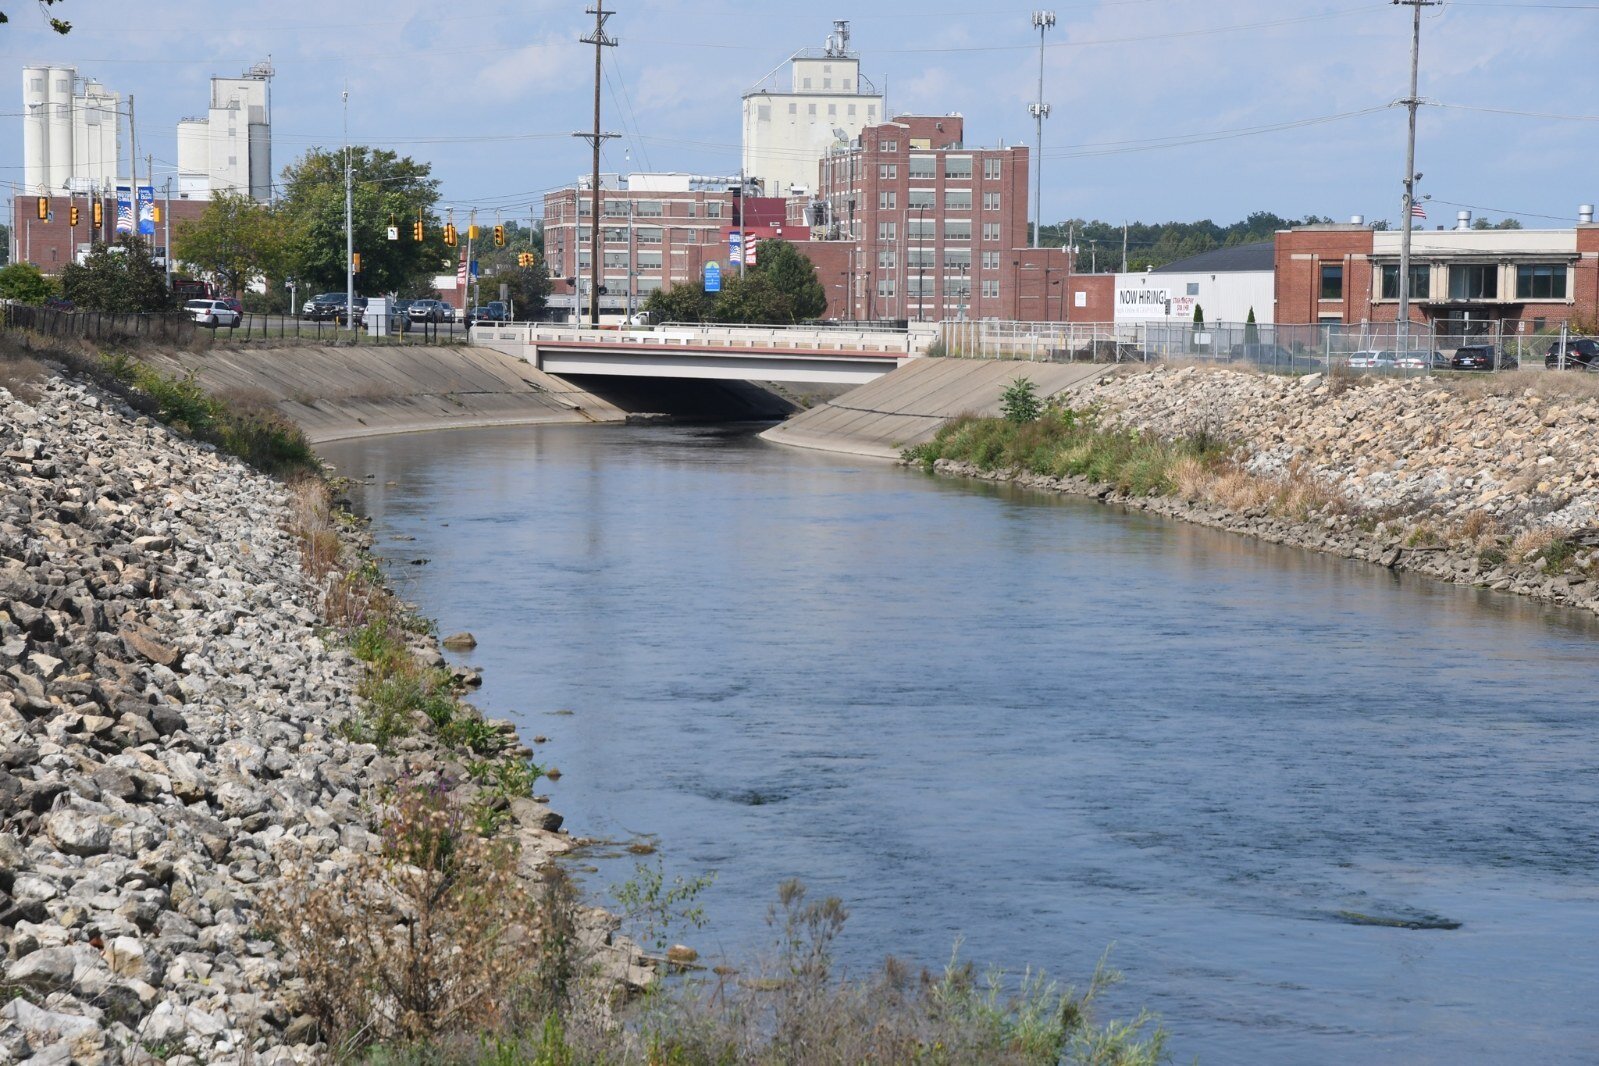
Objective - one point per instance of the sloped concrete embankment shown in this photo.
(907, 406)
(169, 750)
(335, 393)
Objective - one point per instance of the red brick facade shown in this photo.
(49, 243)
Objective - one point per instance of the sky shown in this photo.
(1161, 110)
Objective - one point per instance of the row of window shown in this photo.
(647, 208)
(924, 229)
(927, 200)
(763, 112)
(1466, 281)
(955, 287)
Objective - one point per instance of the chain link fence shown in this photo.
(1288, 349)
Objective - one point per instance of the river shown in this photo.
(1041, 726)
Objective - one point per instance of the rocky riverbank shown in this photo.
(1491, 482)
(172, 746)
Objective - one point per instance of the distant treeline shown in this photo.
(1153, 244)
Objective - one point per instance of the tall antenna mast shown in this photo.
(600, 42)
(1042, 21)
(1412, 102)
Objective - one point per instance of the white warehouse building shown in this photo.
(1227, 283)
(827, 103)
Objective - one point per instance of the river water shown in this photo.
(1041, 726)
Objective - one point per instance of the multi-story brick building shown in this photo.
(936, 229)
(1464, 281)
(51, 243)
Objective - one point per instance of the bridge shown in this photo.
(815, 355)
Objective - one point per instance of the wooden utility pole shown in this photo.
(595, 138)
(1412, 102)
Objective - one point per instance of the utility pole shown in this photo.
(1412, 103)
(166, 223)
(600, 42)
(349, 231)
(1124, 247)
(1042, 21)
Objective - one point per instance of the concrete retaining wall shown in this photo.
(907, 406)
(337, 393)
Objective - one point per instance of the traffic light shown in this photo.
(526, 259)
(449, 234)
(355, 262)
(72, 217)
(44, 207)
(416, 231)
(471, 232)
(98, 213)
(499, 236)
(155, 215)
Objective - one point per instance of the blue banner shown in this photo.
(713, 277)
(125, 220)
(147, 210)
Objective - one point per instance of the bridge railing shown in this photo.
(734, 337)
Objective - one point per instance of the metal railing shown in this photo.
(179, 327)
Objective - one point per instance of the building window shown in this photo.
(991, 290)
(1193, 288)
(1332, 281)
(713, 210)
(807, 83)
(1474, 281)
(885, 260)
(614, 235)
(888, 146)
(990, 260)
(851, 110)
(957, 258)
(990, 231)
(810, 109)
(233, 160)
(888, 171)
(1541, 281)
(885, 286)
(924, 167)
(1420, 281)
(958, 167)
(991, 201)
(886, 200)
(921, 199)
(919, 259)
(614, 209)
(920, 229)
(793, 108)
(957, 230)
(647, 235)
(690, 210)
(763, 113)
(887, 231)
(991, 169)
(650, 208)
(832, 110)
(827, 83)
(958, 200)
(846, 83)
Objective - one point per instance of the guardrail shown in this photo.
(736, 338)
(178, 327)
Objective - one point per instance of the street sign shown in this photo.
(713, 277)
(394, 233)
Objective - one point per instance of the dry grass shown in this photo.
(22, 375)
(1529, 542)
(1545, 384)
(1295, 495)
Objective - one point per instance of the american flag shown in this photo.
(1417, 211)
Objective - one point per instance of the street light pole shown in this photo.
(349, 232)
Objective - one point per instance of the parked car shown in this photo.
(1482, 357)
(1577, 353)
(497, 311)
(360, 311)
(430, 311)
(232, 302)
(1421, 360)
(59, 303)
(323, 306)
(1263, 354)
(212, 313)
(1371, 359)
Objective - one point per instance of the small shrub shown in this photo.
(1020, 403)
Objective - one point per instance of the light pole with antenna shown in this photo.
(1412, 103)
(1042, 22)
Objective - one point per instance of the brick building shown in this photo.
(52, 243)
(1464, 281)
(935, 229)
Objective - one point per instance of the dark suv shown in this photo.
(324, 306)
(1482, 357)
(1581, 353)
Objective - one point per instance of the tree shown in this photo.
(59, 25)
(25, 283)
(235, 240)
(385, 186)
(1199, 315)
(119, 277)
(684, 302)
(1020, 403)
(1251, 331)
(753, 298)
(793, 274)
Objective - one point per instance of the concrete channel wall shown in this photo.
(907, 406)
(334, 393)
